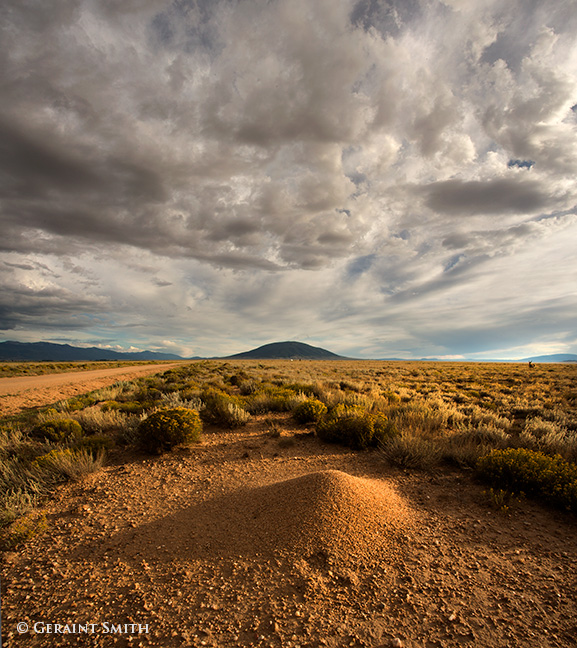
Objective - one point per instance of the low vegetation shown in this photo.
(354, 426)
(165, 429)
(520, 471)
(310, 411)
(517, 425)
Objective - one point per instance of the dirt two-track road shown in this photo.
(23, 392)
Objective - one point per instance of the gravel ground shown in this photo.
(253, 539)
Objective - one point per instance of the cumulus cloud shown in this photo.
(368, 150)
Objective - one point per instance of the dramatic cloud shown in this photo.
(490, 197)
(382, 177)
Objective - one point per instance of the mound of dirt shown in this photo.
(327, 513)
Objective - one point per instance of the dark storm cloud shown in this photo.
(456, 197)
(22, 306)
(33, 168)
(38, 165)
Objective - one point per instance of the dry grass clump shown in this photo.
(95, 420)
(410, 451)
(19, 487)
(549, 437)
(186, 398)
(29, 467)
(274, 398)
(465, 448)
(15, 503)
(67, 464)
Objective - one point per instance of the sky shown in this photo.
(382, 178)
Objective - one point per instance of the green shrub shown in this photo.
(272, 398)
(391, 397)
(58, 431)
(24, 530)
(77, 403)
(311, 411)
(238, 378)
(95, 443)
(501, 499)
(128, 407)
(222, 409)
(532, 473)
(167, 428)
(354, 427)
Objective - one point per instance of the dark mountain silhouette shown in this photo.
(287, 350)
(49, 352)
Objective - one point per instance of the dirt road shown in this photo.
(22, 392)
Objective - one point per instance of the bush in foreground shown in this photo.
(168, 428)
(532, 473)
(222, 409)
(58, 431)
(311, 411)
(354, 427)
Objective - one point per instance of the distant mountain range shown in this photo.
(287, 350)
(557, 357)
(48, 352)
